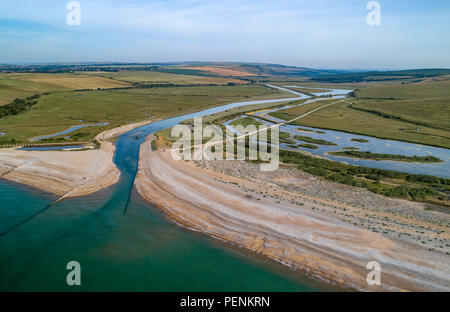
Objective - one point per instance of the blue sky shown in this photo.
(319, 34)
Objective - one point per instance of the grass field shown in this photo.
(423, 90)
(418, 113)
(23, 85)
(424, 104)
(434, 112)
(293, 112)
(312, 140)
(341, 117)
(59, 111)
(223, 71)
(156, 77)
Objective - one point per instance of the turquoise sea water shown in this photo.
(138, 251)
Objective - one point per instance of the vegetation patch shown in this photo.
(246, 121)
(285, 137)
(350, 148)
(314, 141)
(61, 110)
(154, 146)
(18, 106)
(359, 140)
(222, 71)
(305, 130)
(384, 182)
(310, 146)
(381, 75)
(165, 78)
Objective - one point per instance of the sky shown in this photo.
(328, 34)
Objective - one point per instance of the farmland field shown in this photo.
(157, 77)
(426, 103)
(426, 89)
(223, 71)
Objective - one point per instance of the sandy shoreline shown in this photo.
(66, 173)
(302, 231)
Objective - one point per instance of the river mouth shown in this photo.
(122, 242)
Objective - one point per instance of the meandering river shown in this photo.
(344, 141)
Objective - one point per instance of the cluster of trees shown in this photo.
(369, 178)
(18, 106)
